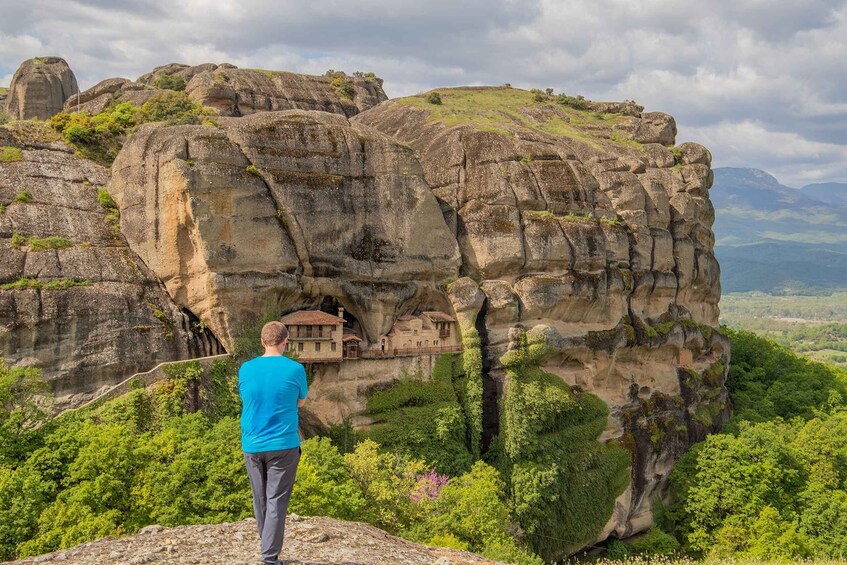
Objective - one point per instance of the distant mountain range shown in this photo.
(774, 238)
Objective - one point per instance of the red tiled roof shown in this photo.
(310, 318)
(350, 335)
(439, 317)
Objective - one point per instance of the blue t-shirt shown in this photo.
(269, 388)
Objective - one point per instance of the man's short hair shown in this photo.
(274, 333)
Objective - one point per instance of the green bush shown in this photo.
(656, 542)
(343, 87)
(576, 102)
(324, 486)
(21, 417)
(433, 98)
(76, 133)
(171, 107)
(170, 82)
(18, 240)
(472, 397)
(105, 199)
(25, 283)
(23, 197)
(9, 154)
(423, 418)
(539, 95)
(44, 243)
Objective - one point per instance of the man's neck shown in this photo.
(272, 352)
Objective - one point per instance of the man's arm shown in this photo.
(301, 402)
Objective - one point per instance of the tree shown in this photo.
(22, 420)
(323, 485)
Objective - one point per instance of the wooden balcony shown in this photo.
(409, 352)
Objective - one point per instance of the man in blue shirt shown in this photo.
(272, 388)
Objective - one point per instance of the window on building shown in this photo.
(300, 346)
(317, 346)
(332, 346)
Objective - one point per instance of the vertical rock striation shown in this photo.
(75, 301)
(39, 88)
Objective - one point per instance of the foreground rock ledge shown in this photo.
(308, 541)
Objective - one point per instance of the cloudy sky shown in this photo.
(759, 82)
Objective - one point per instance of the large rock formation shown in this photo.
(39, 88)
(283, 209)
(239, 92)
(580, 223)
(593, 231)
(75, 301)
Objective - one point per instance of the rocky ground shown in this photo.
(308, 541)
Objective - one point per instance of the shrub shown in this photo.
(343, 87)
(253, 170)
(551, 454)
(21, 417)
(577, 102)
(539, 95)
(36, 284)
(23, 196)
(171, 107)
(386, 482)
(369, 76)
(9, 154)
(170, 82)
(18, 240)
(472, 365)
(433, 98)
(324, 487)
(105, 199)
(656, 542)
(77, 133)
(52, 242)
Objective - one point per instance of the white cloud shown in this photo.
(718, 65)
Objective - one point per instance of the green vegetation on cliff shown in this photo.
(424, 418)
(101, 136)
(503, 109)
(9, 154)
(563, 482)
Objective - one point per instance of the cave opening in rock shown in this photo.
(332, 305)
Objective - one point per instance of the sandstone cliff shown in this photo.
(308, 541)
(39, 88)
(283, 209)
(592, 230)
(75, 301)
(238, 92)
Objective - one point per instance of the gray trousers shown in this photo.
(271, 476)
